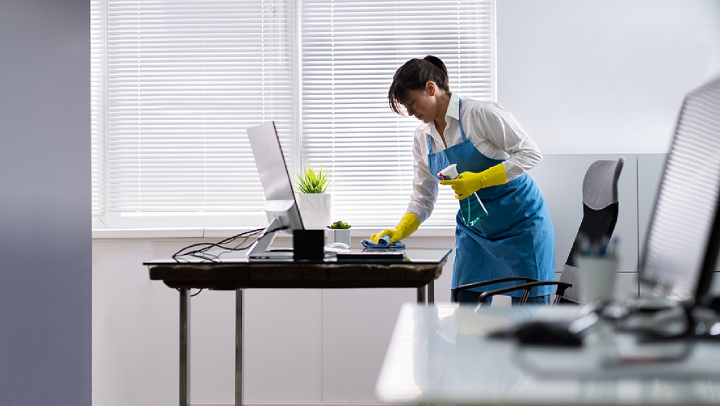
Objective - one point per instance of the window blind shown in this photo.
(350, 51)
(97, 105)
(185, 79)
(177, 83)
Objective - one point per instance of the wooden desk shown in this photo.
(440, 354)
(421, 268)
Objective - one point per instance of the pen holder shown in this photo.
(308, 245)
(597, 276)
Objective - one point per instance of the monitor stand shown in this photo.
(261, 251)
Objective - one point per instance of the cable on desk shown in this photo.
(199, 250)
(192, 294)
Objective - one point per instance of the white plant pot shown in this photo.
(315, 209)
(340, 235)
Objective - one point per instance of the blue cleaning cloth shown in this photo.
(383, 242)
(368, 249)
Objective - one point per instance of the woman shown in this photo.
(493, 154)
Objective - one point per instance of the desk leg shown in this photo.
(421, 294)
(238, 347)
(431, 292)
(184, 347)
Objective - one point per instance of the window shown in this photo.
(183, 81)
(177, 83)
(350, 51)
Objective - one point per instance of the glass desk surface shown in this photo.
(415, 255)
(441, 354)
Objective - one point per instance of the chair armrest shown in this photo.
(489, 282)
(526, 287)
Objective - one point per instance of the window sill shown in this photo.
(166, 233)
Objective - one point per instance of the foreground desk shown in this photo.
(440, 354)
(419, 270)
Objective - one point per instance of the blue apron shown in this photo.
(515, 239)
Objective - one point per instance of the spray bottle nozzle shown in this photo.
(449, 173)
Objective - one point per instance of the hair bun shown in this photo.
(437, 62)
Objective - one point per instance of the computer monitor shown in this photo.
(280, 205)
(682, 242)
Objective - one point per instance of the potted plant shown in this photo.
(314, 203)
(340, 232)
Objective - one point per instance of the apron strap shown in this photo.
(429, 144)
(462, 131)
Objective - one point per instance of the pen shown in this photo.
(585, 246)
(611, 249)
(604, 246)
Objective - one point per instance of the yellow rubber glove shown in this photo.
(468, 183)
(407, 225)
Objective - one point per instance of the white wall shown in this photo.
(583, 77)
(603, 76)
(45, 316)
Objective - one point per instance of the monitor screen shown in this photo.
(280, 202)
(682, 241)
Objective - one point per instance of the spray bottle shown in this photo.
(471, 207)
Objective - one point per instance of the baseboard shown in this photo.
(197, 403)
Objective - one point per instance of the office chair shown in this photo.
(600, 213)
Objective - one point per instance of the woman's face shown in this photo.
(422, 104)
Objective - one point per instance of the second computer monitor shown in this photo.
(682, 243)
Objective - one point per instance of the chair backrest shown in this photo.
(600, 213)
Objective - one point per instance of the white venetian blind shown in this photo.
(350, 51)
(97, 104)
(185, 79)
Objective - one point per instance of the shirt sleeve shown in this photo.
(425, 184)
(504, 132)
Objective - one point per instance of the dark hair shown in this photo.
(414, 75)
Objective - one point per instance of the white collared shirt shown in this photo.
(493, 131)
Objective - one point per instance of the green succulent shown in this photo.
(311, 182)
(339, 225)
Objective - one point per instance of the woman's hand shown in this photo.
(465, 184)
(395, 236)
(468, 183)
(407, 225)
